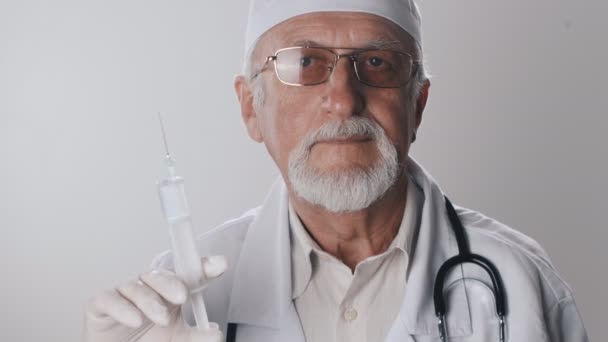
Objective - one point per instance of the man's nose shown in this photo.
(343, 94)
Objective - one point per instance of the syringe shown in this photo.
(186, 259)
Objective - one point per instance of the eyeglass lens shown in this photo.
(311, 65)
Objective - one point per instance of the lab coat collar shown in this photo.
(435, 244)
(262, 289)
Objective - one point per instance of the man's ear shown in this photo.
(248, 113)
(421, 102)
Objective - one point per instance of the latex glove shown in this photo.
(148, 309)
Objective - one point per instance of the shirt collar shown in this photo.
(303, 245)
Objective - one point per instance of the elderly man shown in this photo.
(350, 242)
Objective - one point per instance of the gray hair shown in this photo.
(249, 71)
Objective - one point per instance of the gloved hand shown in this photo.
(148, 309)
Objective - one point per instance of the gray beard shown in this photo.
(344, 190)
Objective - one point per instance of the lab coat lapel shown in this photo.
(261, 293)
(434, 245)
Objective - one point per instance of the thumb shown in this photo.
(214, 266)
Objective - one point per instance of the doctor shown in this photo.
(349, 240)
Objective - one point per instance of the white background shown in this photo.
(514, 128)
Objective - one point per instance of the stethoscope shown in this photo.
(464, 256)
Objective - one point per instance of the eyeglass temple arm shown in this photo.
(268, 60)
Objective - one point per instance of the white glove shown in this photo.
(148, 309)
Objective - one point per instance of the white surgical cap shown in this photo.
(264, 14)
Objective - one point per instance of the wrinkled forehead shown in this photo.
(337, 29)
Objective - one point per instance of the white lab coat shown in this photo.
(256, 290)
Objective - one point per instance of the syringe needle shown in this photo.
(162, 128)
(168, 158)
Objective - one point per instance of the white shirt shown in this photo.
(335, 304)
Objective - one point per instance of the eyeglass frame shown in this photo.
(414, 64)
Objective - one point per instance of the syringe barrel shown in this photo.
(177, 213)
(173, 199)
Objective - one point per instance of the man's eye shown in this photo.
(375, 61)
(305, 61)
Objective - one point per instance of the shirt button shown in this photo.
(350, 314)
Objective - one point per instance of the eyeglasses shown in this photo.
(306, 66)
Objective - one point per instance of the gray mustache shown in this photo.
(353, 127)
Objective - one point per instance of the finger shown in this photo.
(111, 304)
(214, 266)
(146, 300)
(167, 285)
(211, 334)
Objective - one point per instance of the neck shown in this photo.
(354, 236)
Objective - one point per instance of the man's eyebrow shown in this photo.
(385, 44)
(372, 44)
(306, 42)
